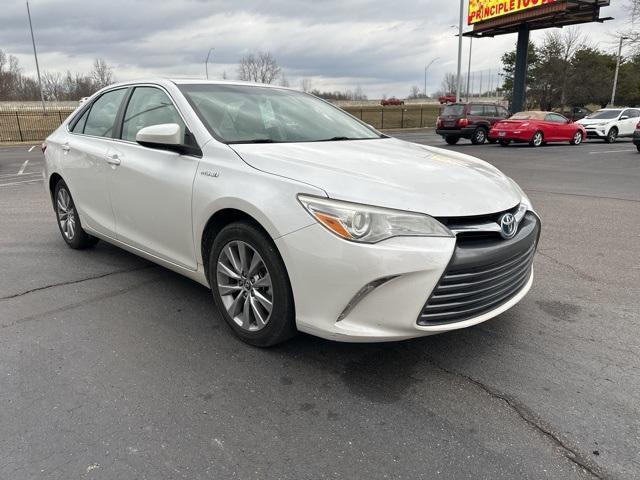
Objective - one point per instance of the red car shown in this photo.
(449, 98)
(537, 128)
(393, 101)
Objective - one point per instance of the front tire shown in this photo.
(69, 221)
(250, 285)
(479, 136)
(612, 136)
(577, 138)
(451, 139)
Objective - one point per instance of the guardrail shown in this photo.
(31, 124)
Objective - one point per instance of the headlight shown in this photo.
(367, 224)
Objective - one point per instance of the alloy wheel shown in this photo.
(66, 214)
(537, 139)
(245, 286)
(577, 138)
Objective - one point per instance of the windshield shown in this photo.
(605, 114)
(453, 110)
(252, 114)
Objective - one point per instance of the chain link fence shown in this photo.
(30, 123)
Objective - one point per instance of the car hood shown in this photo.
(390, 173)
(595, 121)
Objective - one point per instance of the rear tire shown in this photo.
(479, 136)
(537, 140)
(638, 148)
(250, 285)
(69, 222)
(612, 136)
(451, 139)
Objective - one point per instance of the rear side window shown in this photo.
(103, 113)
(489, 111)
(635, 113)
(453, 110)
(476, 110)
(148, 106)
(554, 117)
(79, 126)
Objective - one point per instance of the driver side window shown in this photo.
(149, 106)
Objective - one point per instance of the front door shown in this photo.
(150, 188)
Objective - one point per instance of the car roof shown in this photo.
(164, 81)
(534, 114)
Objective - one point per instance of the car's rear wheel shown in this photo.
(250, 285)
(638, 148)
(479, 136)
(537, 139)
(69, 220)
(612, 136)
(452, 139)
(577, 138)
(504, 143)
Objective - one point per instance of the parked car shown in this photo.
(536, 129)
(576, 113)
(610, 123)
(298, 216)
(449, 98)
(636, 137)
(393, 101)
(472, 121)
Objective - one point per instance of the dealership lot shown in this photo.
(111, 367)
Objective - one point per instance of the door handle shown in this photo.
(65, 147)
(113, 159)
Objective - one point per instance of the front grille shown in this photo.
(483, 275)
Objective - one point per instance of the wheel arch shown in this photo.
(54, 179)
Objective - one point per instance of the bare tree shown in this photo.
(568, 42)
(260, 67)
(102, 73)
(53, 86)
(305, 84)
(449, 83)
(415, 92)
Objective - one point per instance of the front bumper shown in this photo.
(596, 132)
(326, 274)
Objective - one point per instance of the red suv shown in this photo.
(469, 120)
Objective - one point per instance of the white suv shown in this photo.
(611, 123)
(298, 216)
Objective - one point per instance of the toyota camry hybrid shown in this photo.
(297, 216)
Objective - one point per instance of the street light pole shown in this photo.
(615, 78)
(425, 74)
(206, 62)
(35, 54)
(459, 79)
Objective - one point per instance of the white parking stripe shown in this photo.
(24, 165)
(31, 148)
(18, 183)
(611, 151)
(15, 175)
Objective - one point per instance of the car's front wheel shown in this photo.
(612, 135)
(69, 220)
(577, 138)
(250, 285)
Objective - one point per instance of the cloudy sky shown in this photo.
(338, 44)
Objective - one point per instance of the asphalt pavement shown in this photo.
(114, 368)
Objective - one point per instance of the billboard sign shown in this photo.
(482, 10)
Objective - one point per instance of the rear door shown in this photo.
(628, 126)
(85, 167)
(151, 188)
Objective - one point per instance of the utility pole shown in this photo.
(425, 74)
(206, 62)
(460, 26)
(469, 70)
(615, 79)
(35, 54)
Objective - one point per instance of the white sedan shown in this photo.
(298, 216)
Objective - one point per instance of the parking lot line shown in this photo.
(24, 165)
(18, 183)
(611, 151)
(31, 149)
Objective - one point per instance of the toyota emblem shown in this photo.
(508, 226)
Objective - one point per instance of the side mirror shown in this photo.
(168, 136)
(624, 117)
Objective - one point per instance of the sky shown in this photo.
(382, 47)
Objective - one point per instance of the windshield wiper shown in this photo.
(255, 140)
(342, 139)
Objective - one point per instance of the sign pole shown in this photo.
(459, 79)
(518, 103)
